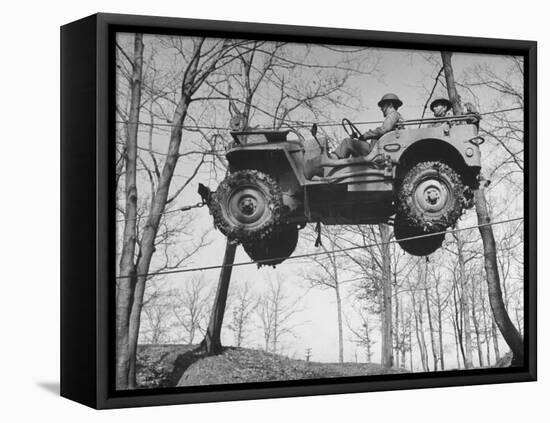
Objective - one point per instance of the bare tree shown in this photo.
(190, 309)
(157, 309)
(507, 328)
(363, 333)
(326, 273)
(387, 329)
(505, 129)
(276, 313)
(212, 340)
(380, 268)
(431, 324)
(243, 306)
(463, 283)
(441, 301)
(211, 343)
(127, 268)
(200, 61)
(419, 315)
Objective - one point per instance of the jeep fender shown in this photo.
(406, 148)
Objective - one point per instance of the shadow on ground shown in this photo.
(51, 387)
(161, 366)
(181, 364)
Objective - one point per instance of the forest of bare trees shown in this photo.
(459, 308)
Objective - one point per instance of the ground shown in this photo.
(180, 365)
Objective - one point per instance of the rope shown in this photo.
(244, 263)
(302, 124)
(180, 209)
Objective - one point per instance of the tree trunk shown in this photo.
(368, 340)
(404, 338)
(151, 229)
(419, 330)
(486, 329)
(502, 319)
(212, 341)
(432, 331)
(509, 332)
(457, 343)
(340, 328)
(397, 337)
(457, 326)
(275, 337)
(465, 305)
(410, 345)
(440, 326)
(494, 335)
(477, 331)
(429, 312)
(158, 203)
(127, 270)
(387, 341)
(487, 336)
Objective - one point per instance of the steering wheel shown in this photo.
(351, 129)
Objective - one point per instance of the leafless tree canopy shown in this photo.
(176, 99)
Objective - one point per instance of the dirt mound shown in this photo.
(157, 363)
(240, 365)
(179, 365)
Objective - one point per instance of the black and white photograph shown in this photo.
(283, 212)
(291, 211)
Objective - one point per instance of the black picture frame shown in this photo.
(87, 192)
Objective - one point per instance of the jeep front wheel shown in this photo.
(247, 205)
(431, 196)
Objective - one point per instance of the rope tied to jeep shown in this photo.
(318, 241)
(179, 209)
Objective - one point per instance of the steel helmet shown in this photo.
(390, 98)
(443, 101)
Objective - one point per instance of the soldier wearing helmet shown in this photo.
(389, 103)
(440, 108)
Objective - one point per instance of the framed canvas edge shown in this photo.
(105, 226)
(152, 24)
(530, 297)
(144, 399)
(78, 311)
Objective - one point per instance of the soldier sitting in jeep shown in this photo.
(440, 108)
(356, 147)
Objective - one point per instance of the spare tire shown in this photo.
(431, 196)
(247, 206)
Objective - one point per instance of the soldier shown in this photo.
(388, 104)
(440, 107)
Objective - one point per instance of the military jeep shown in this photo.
(418, 178)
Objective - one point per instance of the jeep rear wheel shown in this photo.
(274, 248)
(424, 245)
(431, 196)
(247, 205)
